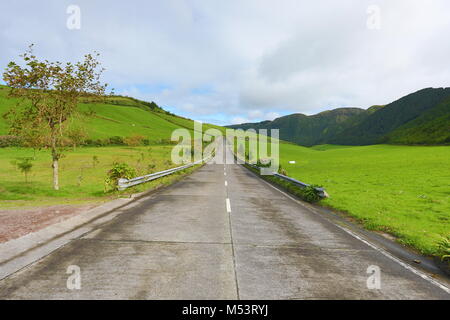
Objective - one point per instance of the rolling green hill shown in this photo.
(422, 117)
(118, 116)
(377, 127)
(432, 127)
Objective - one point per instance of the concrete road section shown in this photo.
(221, 233)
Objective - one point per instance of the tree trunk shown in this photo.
(55, 174)
(55, 158)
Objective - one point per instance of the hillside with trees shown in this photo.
(422, 117)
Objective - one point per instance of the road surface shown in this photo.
(221, 233)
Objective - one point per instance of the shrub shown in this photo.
(166, 142)
(310, 194)
(444, 248)
(282, 171)
(116, 140)
(134, 140)
(96, 142)
(118, 171)
(10, 141)
(100, 143)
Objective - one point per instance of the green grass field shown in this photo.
(401, 190)
(125, 121)
(80, 180)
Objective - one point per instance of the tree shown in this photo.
(77, 135)
(95, 161)
(51, 91)
(24, 165)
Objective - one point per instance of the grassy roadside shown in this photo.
(81, 176)
(400, 190)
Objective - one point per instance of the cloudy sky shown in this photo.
(232, 61)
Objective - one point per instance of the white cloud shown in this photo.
(239, 120)
(257, 59)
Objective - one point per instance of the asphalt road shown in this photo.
(221, 233)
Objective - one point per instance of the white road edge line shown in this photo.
(227, 201)
(382, 251)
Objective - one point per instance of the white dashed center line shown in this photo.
(227, 201)
(226, 183)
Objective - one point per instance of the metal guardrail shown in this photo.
(122, 184)
(321, 191)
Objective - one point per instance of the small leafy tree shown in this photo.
(76, 135)
(95, 161)
(24, 165)
(51, 91)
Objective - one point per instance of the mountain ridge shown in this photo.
(377, 124)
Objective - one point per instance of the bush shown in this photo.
(309, 194)
(166, 142)
(135, 140)
(116, 140)
(96, 142)
(118, 171)
(282, 171)
(10, 141)
(444, 248)
(100, 142)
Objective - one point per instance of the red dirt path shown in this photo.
(19, 222)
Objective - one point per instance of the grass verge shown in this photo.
(82, 175)
(400, 190)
